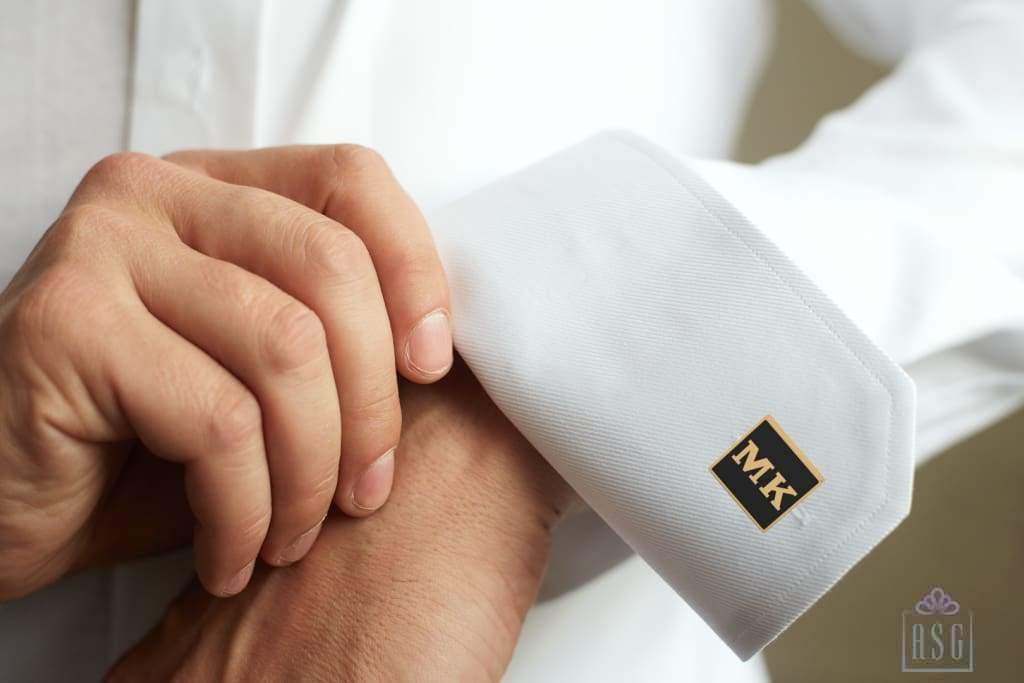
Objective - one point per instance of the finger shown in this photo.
(277, 347)
(317, 261)
(186, 408)
(327, 267)
(145, 514)
(162, 650)
(354, 186)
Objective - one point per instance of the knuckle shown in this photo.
(82, 224)
(354, 172)
(250, 528)
(40, 412)
(308, 501)
(419, 265)
(337, 255)
(321, 490)
(230, 282)
(60, 293)
(379, 409)
(119, 169)
(351, 160)
(235, 421)
(294, 338)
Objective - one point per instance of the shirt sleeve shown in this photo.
(702, 395)
(906, 207)
(683, 339)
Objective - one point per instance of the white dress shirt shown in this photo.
(632, 306)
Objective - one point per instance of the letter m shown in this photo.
(750, 461)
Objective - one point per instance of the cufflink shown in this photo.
(766, 473)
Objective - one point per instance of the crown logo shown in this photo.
(937, 601)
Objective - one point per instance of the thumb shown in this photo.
(145, 513)
(158, 655)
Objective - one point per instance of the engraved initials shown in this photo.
(749, 453)
(749, 460)
(774, 486)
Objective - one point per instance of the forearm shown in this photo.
(434, 586)
(473, 502)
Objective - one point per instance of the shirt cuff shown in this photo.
(698, 391)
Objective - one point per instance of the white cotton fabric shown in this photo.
(904, 210)
(634, 326)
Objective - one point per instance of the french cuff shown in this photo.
(698, 391)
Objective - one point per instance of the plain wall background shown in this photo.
(966, 530)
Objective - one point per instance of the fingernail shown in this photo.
(374, 487)
(237, 582)
(429, 348)
(298, 548)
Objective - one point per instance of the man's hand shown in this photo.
(238, 313)
(434, 587)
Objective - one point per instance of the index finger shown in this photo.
(354, 186)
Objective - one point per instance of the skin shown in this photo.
(237, 319)
(434, 587)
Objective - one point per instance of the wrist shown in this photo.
(459, 550)
(454, 430)
(435, 585)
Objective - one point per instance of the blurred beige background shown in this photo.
(966, 530)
